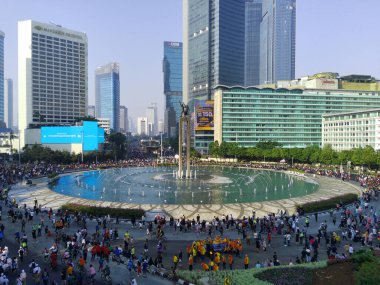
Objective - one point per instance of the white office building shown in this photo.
(8, 102)
(52, 74)
(142, 126)
(124, 122)
(105, 123)
(91, 111)
(348, 130)
(151, 114)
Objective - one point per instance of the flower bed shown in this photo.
(259, 276)
(103, 211)
(328, 204)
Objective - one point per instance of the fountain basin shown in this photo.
(156, 185)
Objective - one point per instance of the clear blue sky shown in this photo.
(332, 35)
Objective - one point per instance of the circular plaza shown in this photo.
(213, 191)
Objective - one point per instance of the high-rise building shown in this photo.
(252, 42)
(213, 52)
(290, 112)
(52, 74)
(172, 68)
(213, 46)
(91, 111)
(8, 102)
(161, 127)
(142, 126)
(107, 94)
(151, 115)
(277, 41)
(124, 120)
(2, 35)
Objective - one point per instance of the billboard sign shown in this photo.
(61, 135)
(204, 115)
(90, 135)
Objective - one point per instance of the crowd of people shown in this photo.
(87, 253)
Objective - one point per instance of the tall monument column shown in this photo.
(184, 122)
(180, 142)
(188, 142)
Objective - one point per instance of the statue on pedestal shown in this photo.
(185, 110)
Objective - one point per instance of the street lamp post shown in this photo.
(82, 146)
(19, 155)
(161, 146)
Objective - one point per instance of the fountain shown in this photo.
(213, 185)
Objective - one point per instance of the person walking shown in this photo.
(246, 261)
(230, 261)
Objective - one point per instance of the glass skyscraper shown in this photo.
(107, 94)
(2, 76)
(214, 36)
(172, 69)
(213, 51)
(277, 41)
(252, 42)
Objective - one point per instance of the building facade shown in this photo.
(124, 120)
(107, 94)
(172, 69)
(289, 115)
(253, 16)
(213, 52)
(277, 41)
(213, 46)
(345, 131)
(91, 111)
(8, 102)
(152, 120)
(142, 126)
(105, 123)
(2, 35)
(52, 74)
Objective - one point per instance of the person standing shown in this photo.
(246, 261)
(230, 261)
(45, 277)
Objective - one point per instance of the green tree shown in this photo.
(369, 156)
(118, 143)
(268, 144)
(214, 149)
(328, 155)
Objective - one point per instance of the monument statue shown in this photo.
(184, 125)
(185, 110)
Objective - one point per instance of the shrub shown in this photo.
(368, 274)
(289, 275)
(364, 255)
(103, 211)
(52, 175)
(330, 203)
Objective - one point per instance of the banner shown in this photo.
(204, 115)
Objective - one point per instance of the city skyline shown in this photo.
(320, 45)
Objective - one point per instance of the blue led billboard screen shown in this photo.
(92, 135)
(58, 135)
(90, 138)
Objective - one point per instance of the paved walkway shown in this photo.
(176, 240)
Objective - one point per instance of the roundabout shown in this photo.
(185, 197)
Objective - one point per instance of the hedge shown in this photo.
(256, 276)
(311, 207)
(103, 211)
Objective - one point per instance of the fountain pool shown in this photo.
(158, 185)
